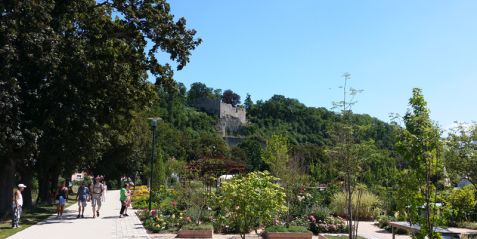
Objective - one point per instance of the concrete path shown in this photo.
(108, 225)
(370, 231)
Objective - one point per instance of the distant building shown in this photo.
(78, 176)
(230, 118)
(463, 182)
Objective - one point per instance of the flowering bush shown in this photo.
(157, 221)
(328, 225)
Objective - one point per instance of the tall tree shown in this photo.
(82, 73)
(419, 146)
(347, 149)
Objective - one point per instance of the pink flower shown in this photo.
(174, 203)
(153, 212)
(312, 218)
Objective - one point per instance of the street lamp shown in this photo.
(153, 155)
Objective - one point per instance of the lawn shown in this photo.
(29, 218)
(341, 237)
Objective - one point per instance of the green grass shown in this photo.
(197, 227)
(286, 229)
(30, 217)
(341, 237)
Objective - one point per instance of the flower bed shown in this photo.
(292, 232)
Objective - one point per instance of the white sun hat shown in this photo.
(21, 185)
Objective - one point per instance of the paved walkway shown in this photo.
(108, 225)
(370, 231)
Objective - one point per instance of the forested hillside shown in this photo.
(188, 134)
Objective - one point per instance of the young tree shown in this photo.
(347, 150)
(291, 175)
(419, 146)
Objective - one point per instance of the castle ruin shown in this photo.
(230, 118)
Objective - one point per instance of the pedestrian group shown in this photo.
(95, 192)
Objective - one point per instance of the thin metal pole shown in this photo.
(152, 162)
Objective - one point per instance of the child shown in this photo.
(82, 197)
(123, 197)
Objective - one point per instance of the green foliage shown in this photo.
(197, 227)
(76, 76)
(419, 146)
(459, 203)
(461, 153)
(277, 228)
(158, 221)
(329, 224)
(231, 97)
(365, 206)
(200, 90)
(251, 200)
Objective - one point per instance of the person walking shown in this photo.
(96, 193)
(17, 205)
(105, 188)
(123, 197)
(128, 200)
(61, 198)
(82, 197)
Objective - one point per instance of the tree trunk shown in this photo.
(7, 181)
(27, 179)
(43, 189)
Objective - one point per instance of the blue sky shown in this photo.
(301, 49)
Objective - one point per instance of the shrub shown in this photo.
(280, 228)
(157, 221)
(328, 225)
(197, 227)
(251, 200)
(383, 222)
(369, 205)
(459, 203)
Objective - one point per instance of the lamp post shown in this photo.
(153, 155)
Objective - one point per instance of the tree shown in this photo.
(251, 200)
(419, 146)
(347, 150)
(461, 153)
(81, 73)
(292, 176)
(231, 97)
(253, 153)
(248, 103)
(199, 90)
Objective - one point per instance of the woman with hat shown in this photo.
(17, 205)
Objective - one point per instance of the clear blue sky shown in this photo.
(300, 49)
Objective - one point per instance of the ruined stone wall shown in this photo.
(230, 118)
(235, 112)
(208, 105)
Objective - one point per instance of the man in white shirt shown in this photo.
(17, 205)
